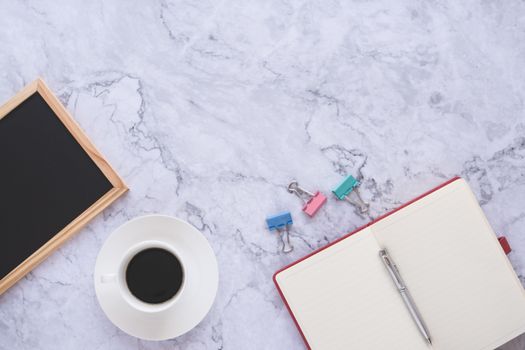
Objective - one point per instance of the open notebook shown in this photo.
(341, 297)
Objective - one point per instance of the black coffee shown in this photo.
(154, 275)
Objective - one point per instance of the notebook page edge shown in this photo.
(495, 239)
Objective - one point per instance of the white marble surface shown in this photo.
(208, 108)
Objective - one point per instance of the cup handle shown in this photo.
(108, 278)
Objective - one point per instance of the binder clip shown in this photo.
(281, 223)
(345, 190)
(312, 202)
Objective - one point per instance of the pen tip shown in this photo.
(429, 341)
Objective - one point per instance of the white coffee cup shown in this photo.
(119, 277)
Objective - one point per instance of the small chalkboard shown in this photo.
(52, 180)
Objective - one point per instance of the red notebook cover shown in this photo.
(340, 239)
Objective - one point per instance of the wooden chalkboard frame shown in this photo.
(119, 188)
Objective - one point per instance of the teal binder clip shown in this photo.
(281, 223)
(347, 189)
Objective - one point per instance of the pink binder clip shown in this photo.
(312, 201)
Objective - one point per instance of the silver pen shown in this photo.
(405, 295)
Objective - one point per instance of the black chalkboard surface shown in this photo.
(52, 180)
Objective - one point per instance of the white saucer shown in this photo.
(200, 284)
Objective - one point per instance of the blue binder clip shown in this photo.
(281, 223)
(345, 189)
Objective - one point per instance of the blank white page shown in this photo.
(342, 299)
(455, 269)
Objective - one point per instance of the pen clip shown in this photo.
(392, 269)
